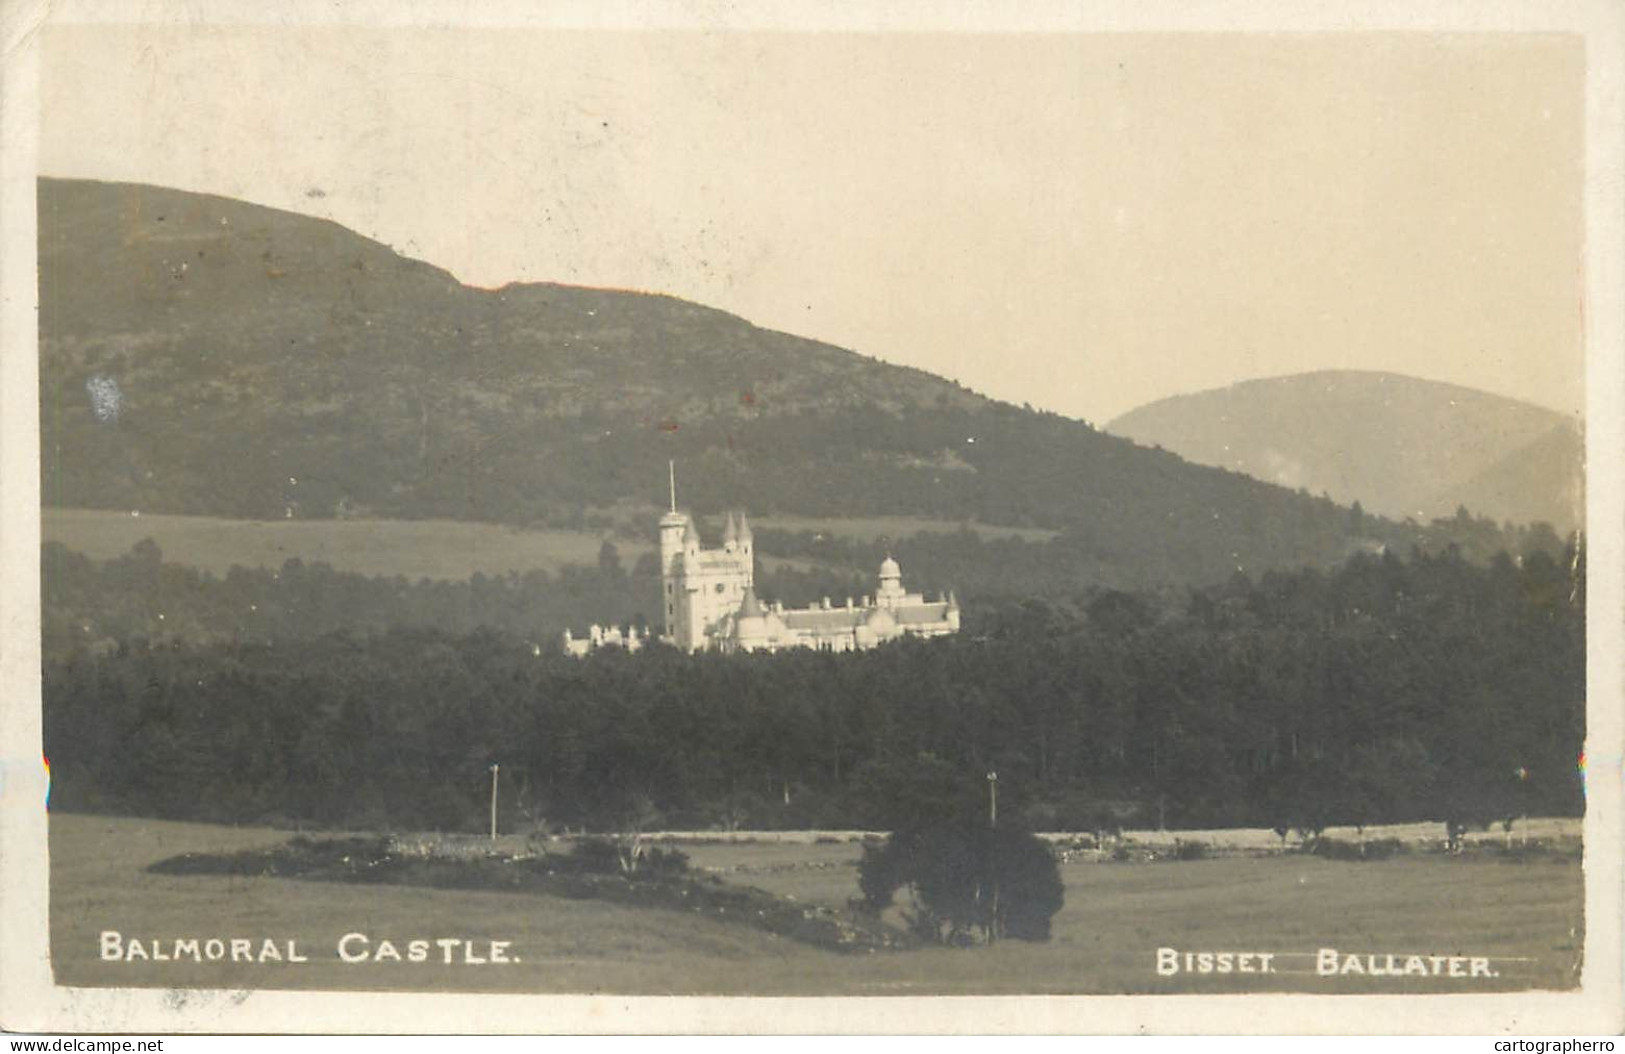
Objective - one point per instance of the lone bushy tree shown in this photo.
(967, 882)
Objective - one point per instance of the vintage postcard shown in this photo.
(674, 518)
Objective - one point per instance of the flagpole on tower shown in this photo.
(671, 467)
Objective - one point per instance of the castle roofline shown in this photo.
(928, 611)
(824, 618)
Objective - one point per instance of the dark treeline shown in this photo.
(1075, 560)
(99, 603)
(1385, 690)
(96, 604)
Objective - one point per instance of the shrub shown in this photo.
(598, 856)
(1376, 849)
(610, 856)
(966, 880)
(1383, 848)
(664, 863)
(1184, 850)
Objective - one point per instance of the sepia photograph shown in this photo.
(730, 510)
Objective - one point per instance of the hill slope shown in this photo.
(1399, 445)
(206, 356)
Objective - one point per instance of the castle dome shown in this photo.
(889, 569)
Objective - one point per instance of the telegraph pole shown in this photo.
(494, 768)
(995, 923)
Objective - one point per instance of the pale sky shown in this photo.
(1083, 222)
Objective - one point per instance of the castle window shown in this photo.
(668, 589)
(720, 587)
(668, 609)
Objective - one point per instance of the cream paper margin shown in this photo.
(29, 1000)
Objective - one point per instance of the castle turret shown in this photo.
(675, 528)
(891, 583)
(730, 535)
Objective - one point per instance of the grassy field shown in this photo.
(1526, 915)
(872, 527)
(416, 549)
(441, 549)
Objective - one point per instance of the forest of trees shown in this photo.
(1388, 689)
(97, 604)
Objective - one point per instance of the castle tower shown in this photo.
(674, 529)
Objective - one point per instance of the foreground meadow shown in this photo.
(1524, 915)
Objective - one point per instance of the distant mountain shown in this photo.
(1401, 446)
(208, 356)
(1541, 480)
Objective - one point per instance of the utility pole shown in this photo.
(494, 768)
(995, 922)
